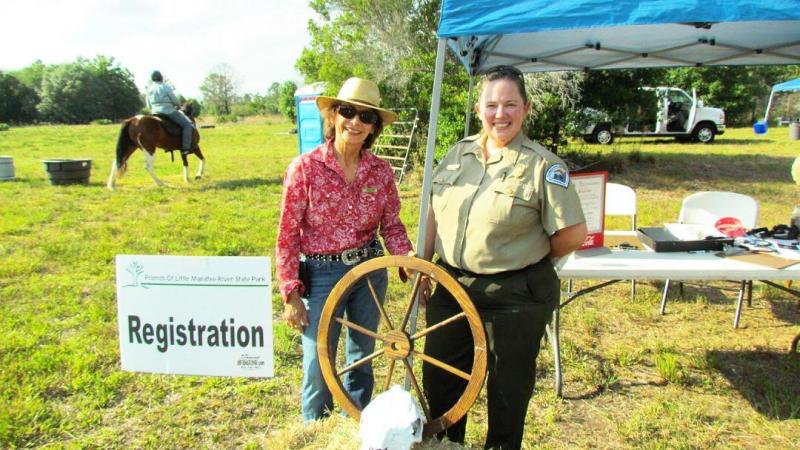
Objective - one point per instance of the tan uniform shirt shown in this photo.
(498, 215)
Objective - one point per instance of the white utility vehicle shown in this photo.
(676, 115)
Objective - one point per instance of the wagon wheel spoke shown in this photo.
(379, 305)
(443, 365)
(411, 300)
(360, 362)
(360, 329)
(449, 320)
(421, 396)
(388, 383)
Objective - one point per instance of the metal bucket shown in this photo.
(794, 131)
(6, 168)
(68, 171)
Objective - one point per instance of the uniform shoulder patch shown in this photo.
(557, 174)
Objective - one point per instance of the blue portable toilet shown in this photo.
(309, 119)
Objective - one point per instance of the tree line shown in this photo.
(393, 42)
(99, 89)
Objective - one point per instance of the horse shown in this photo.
(148, 132)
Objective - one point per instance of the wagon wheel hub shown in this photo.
(398, 345)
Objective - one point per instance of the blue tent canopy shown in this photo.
(792, 85)
(786, 86)
(543, 36)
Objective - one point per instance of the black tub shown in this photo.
(68, 171)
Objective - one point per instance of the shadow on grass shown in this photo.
(768, 380)
(244, 183)
(787, 308)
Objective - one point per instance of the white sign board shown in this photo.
(195, 315)
(591, 189)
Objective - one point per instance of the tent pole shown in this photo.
(468, 113)
(769, 105)
(436, 97)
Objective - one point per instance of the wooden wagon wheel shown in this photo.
(398, 345)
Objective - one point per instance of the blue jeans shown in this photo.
(186, 128)
(358, 305)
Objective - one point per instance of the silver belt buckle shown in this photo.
(350, 257)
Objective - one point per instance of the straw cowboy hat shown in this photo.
(359, 92)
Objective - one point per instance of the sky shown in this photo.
(184, 39)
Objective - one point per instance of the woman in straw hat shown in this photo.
(336, 199)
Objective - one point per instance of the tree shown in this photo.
(271, 100)
(741, 91)
(220, 89)
(392, 42)
(286, 100)
(86, 90)
(553, 96)
(32, 75)
(17, 101)
(619, 93)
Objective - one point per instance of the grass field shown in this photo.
(634, 378)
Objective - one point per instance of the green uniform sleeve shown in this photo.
(560, 204)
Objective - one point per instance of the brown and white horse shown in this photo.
(149, 133)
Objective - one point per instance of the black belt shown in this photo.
(352, 256)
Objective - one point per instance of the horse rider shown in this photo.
(161, 99)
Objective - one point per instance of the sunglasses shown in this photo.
(503, 70)
(367, 116)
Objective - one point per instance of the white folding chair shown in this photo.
(706, 208)
(621, 201)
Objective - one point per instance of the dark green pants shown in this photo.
(515, 307)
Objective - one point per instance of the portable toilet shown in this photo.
(309, 119)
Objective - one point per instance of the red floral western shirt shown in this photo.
(321, 213)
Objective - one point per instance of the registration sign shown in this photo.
(195, 315)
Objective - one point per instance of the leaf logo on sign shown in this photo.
(136, 270)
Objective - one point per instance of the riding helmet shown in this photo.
(156, 76)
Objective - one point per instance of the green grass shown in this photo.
(633, 378)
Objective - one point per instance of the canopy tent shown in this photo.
(544, 35)
(786, 86)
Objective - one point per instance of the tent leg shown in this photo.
(468, 112)
(436, 97)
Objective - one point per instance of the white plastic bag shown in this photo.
(392, 421)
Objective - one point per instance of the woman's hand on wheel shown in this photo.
(406, 274)
(424, 290)
(294, 312)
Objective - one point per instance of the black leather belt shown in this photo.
(352, 256)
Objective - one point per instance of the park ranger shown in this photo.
(502, 207)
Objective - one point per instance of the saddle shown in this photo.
(169, 126)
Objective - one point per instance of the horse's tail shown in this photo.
(124, 143)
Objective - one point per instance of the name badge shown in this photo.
(453, 166)
(369, 190)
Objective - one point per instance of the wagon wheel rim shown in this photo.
(399, 345)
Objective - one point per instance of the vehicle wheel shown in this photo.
(603, 135)
(399, 344)
(704, 133)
